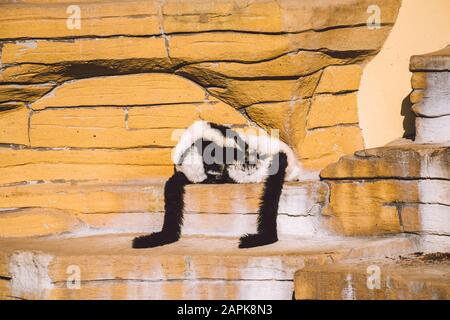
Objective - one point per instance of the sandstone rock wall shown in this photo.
(109, 95)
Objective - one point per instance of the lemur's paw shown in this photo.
(256, 240)
(153, 240)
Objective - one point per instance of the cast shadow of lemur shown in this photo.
(212, 153)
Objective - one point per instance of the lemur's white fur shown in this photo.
(266, 146)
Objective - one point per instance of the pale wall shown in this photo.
(421, 27)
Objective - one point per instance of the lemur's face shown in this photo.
(215, 171)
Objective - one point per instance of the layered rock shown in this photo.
(413, 277)
(401, 187)
(394, 189)
(109, 269)
(112, 127)
(137, 206)
(431, 96)
(272, 60)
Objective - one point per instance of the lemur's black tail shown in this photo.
(268, 210)
(173, 218)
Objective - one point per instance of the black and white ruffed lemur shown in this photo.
(212, 153)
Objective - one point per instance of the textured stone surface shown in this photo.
(435, 61)
(433, 130)
(289, 118)
(388, 206)
(220, 210)
(37, 222)
(407, 279)
(243, 54)
(409, 161)
(434, 102)
(133, 111)
(187, 269)
(25, 93)
(48, 20)
(329, 110)
(326, 145)
(430, 96)
(295, 64)
(266, 90)
(14, 123)
(37, 51)
(127, 90)
(340, 78)
(268, 16)
(31, 165)
(398, 188)
(259, 16)
(368, 208)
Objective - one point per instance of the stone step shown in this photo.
(416, 277)
(108, 268)
(390, 189)
(137, 206)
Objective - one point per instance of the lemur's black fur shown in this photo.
(173, 218)
(268, 209)
(217, 172)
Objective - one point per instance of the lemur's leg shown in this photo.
(268, 210)
(173, 218)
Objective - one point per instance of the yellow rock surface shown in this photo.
(123, 111)
(49, 20)
(412, 278)
(5, 290)
(14, 124)
(256, 47)
(147, 196)
(329, 110)
(287, 117)
(36, 222)
(416, 96)
(236, 93)
(299, 63)
(98, 137)
(33, 73)
(46, 51)
(98, 117)
(220, 112)
(142, 157)
(268, 16)
(76, 171)
(323, 146)
(262, 52)
(368, 208)
(419, 80)
(25, 93)
(93, 128)
(85, 197)
(340, 78)
(109, 18)
(83, 164)
(125, 90)
(182, 115)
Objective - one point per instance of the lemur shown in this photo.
(212, 153)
